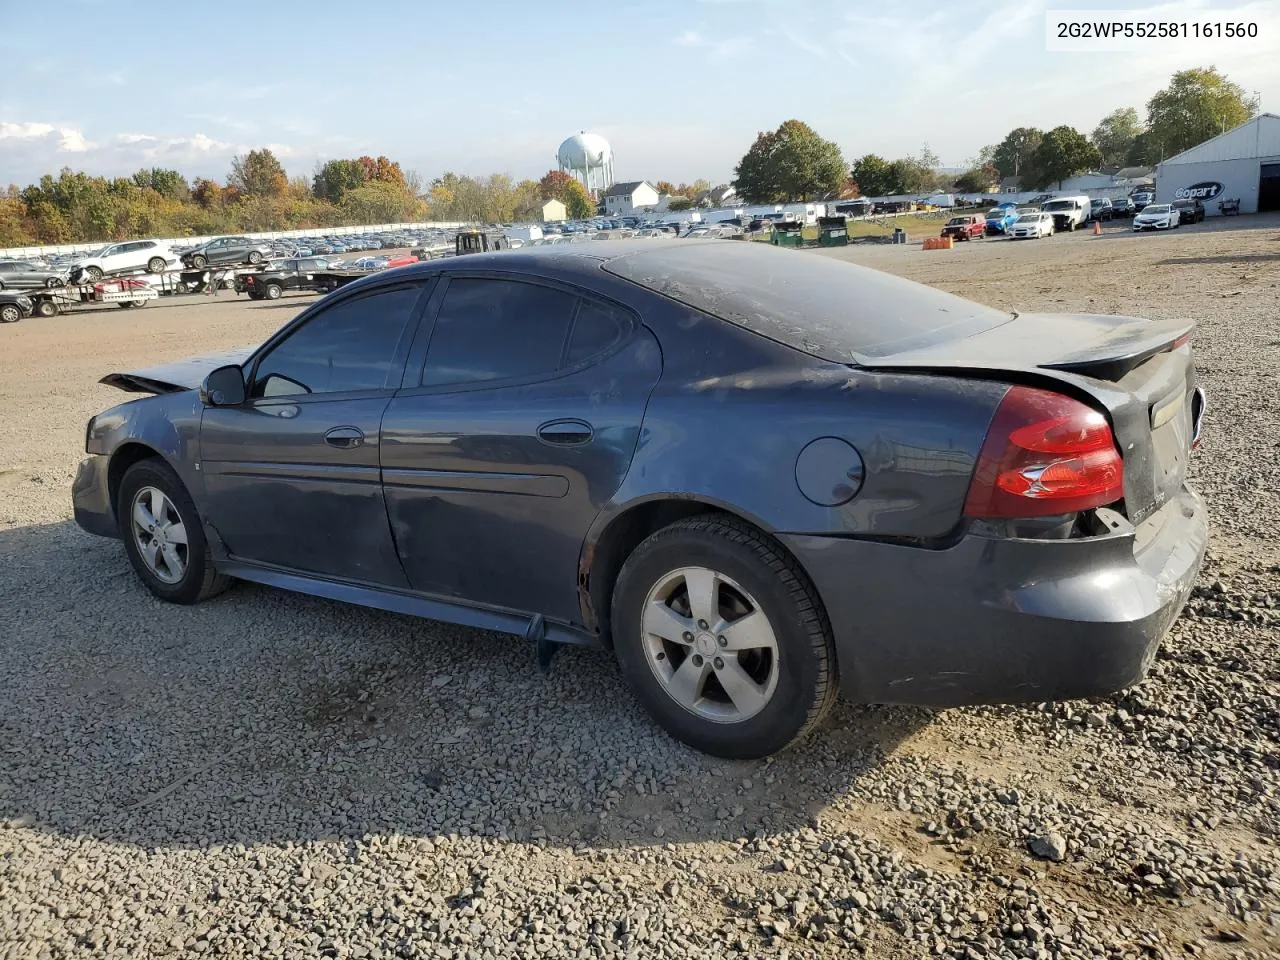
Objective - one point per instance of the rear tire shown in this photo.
(187, 578)
(53, 283)
(46, 308)
(274, 290)
(255, 257)
(792, 684)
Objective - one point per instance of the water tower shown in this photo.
(589, 158)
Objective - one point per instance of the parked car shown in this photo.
(1100, 208)
(1141, 199)
(1000, 219)
(1123, 207)
(1032, 226)
(459, 440)
(1157, 216)
(1069, 213)
(14, 306)
(150, 255)
(1189, 210)
(271, 283)
(966, 227)
(25, 275)
(227, 250)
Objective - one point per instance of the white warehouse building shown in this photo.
(1242, 164)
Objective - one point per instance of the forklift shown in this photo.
(477, 241)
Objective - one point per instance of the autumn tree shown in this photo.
(1114, 135)
(1062, 153)
(1197, 105)
(790, 163)
(665, 187)
(527, 202)
(207, 193)
(578, 204)
(258, 174)
(167, 183)
(554, 185)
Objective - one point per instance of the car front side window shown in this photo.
(345, 347)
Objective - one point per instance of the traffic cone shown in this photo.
(1097, 228)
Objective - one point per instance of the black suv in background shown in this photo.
(1189, 211)
(298, 274)
(1123, 207)
(227, 250)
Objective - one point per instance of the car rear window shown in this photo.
(823, 306)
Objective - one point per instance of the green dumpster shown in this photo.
(787, 233)
(833, 232)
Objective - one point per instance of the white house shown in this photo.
(624, 198)
(553, 211)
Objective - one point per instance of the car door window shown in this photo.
(348, 346)
(497, 330)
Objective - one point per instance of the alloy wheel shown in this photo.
(710, 645)
(160, 535)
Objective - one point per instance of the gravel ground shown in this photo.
(270, 774)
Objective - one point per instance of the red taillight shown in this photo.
(1045, 454)
(1181, 342)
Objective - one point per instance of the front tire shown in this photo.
(274, 290)
(199, 261)
(156, 264)
(723, 639)
(10, 313)
(93, 273)
(46, 308)
(161, 530)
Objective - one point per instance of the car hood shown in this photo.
(179, 375)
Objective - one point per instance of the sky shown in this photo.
(679, 87)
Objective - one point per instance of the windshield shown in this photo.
(957, 221)
(1061, 205)
(1029, 218)
(1163, 208)
(997, 212)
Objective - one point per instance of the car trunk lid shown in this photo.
(1126, 366)
(179, 375)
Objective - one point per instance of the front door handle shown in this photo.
(566, 433)
(344, 438)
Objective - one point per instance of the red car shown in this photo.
(966, 227)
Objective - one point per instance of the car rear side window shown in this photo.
(596, 328)
(345, 347)
(497, 330)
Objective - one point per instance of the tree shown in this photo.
(258, 174)
(167, 183)
(380, 202)
(1012, 155)
(927, 158)
(1197, 105)
(333, 179)
(908, 176)
(578, 204)
(554, 185)
(528, 201)
(1062, 153)
(871, 173)
(206, 193)
(664, 187)
(790, 163)
(679, 203)
(1115, 134)
(977, 179)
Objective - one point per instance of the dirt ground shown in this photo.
(274, 774)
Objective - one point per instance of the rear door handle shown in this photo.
(344, 438)
(566, 433)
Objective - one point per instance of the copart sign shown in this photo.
(1205, 190)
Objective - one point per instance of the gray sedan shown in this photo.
(759, 477)
(25, 275)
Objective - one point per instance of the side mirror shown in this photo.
(223, 387)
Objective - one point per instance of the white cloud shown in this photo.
(25, 131)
